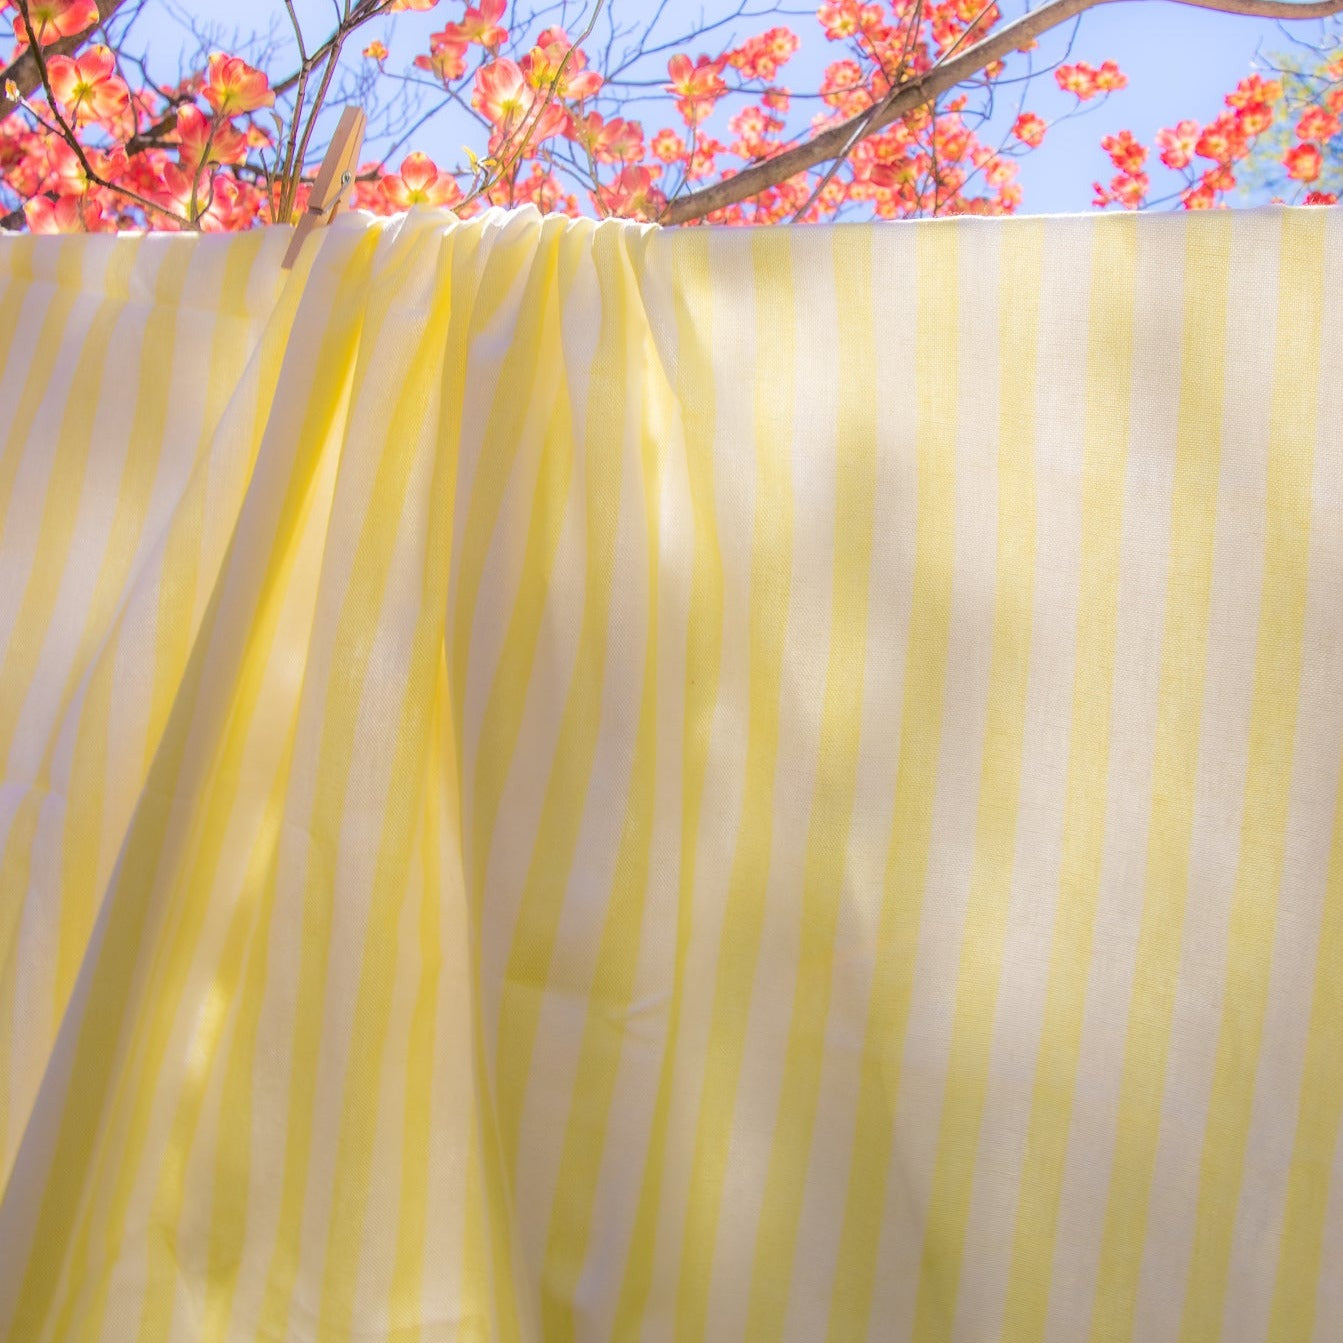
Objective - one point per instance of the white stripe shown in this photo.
(1329, 1301)
(377, 1249)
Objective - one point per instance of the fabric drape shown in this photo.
(575, 781)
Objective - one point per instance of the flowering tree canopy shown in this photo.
(575, 110)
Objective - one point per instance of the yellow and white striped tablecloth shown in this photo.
(572, 781)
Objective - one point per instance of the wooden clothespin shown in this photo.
(333, 179)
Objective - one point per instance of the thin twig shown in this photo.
(865, 121)
(540, 110)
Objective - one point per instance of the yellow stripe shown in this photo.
(44, 362)
(406, 1303)
(744, 912)
(1319, 1118)
(485, 1238)
(692, 298)
(17, 258)
(827, 852)
(1105, 431)
(1273, 720)
(1174, 768)
(586, 1132)
(986, 915)
(936, 377)
(19, 253)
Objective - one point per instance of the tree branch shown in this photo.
(917, 93)
(24, 69)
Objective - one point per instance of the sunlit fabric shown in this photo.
(573, 781)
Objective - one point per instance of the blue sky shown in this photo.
(1180, 62)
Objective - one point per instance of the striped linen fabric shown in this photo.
(575, 781)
